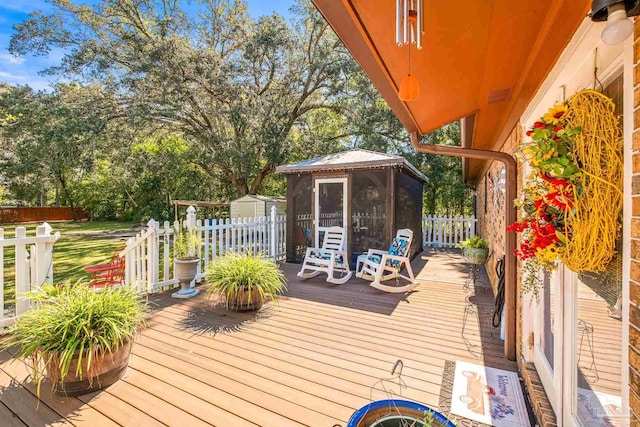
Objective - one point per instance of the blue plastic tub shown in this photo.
(391, 413)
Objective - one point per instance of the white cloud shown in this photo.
(35, 81)
(11, 76)
(11, 59)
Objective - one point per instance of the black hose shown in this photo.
(499, 304)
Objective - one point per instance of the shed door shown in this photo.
(247, 209)
(330, 206)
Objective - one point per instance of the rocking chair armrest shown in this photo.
(377, 252)
(330, 253)
(321, 250)
(398, 258)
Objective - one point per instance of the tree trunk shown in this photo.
(262, 174)
(242, 188)
(67, 195)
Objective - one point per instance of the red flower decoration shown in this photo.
(539, 125)
(560, 200)
(556, 182)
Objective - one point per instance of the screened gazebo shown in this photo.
(372, 194)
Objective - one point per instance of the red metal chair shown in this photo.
(110, 274)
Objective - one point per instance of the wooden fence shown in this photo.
(26, 263)
(149, 255)
(12, 214)
(447, 232)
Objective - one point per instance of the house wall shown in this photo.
(490, 206)
(490, 211)
(570, 75)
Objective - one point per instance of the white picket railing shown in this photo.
(331, 219)
(447, 232)
(33, 267)
(148, 256)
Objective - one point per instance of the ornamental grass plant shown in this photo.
(75, 322)
(187, 245)
(475, 242)
(235, 274)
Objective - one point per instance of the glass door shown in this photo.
(330, 206)
(548, 337)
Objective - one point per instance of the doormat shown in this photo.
(488, 395)
(601, 409)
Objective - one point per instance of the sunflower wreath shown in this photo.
(572, 199)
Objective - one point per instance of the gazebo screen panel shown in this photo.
(369, 211)
(408, 208)
(301, 200)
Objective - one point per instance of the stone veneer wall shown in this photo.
(634, 285)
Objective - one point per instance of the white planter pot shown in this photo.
(186, 270)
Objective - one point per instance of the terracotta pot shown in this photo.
(186, 270)
(239, 301)
(105, 370)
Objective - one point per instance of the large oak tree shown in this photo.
(237, 88)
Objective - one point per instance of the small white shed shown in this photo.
(250, 206)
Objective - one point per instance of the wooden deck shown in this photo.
(312, 359)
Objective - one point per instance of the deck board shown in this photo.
(312, 359)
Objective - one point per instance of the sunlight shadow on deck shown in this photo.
(356, 293)
(216, 319)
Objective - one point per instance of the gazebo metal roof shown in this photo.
(350, 160)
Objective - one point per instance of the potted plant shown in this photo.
(245, 281)
(475, 250)
(186, 251)
(78, 338)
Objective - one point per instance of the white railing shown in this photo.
(304, 220)
(149, 255)
(33, 267)
(447, 232)
(331, 219)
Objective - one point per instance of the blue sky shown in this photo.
(24, 70)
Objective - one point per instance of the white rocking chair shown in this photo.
(380, 266)
(331, 258)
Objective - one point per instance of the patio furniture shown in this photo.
(380, 266)
(110, 274)
(331, 258)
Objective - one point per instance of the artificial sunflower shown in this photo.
(556, 114)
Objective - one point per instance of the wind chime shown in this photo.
(409, 31)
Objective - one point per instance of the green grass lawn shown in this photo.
(81, 244)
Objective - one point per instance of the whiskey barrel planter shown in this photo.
(244, 300)
(105, 370)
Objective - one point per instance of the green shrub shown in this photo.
(75, 319)
(475, 242)
(235, 273)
